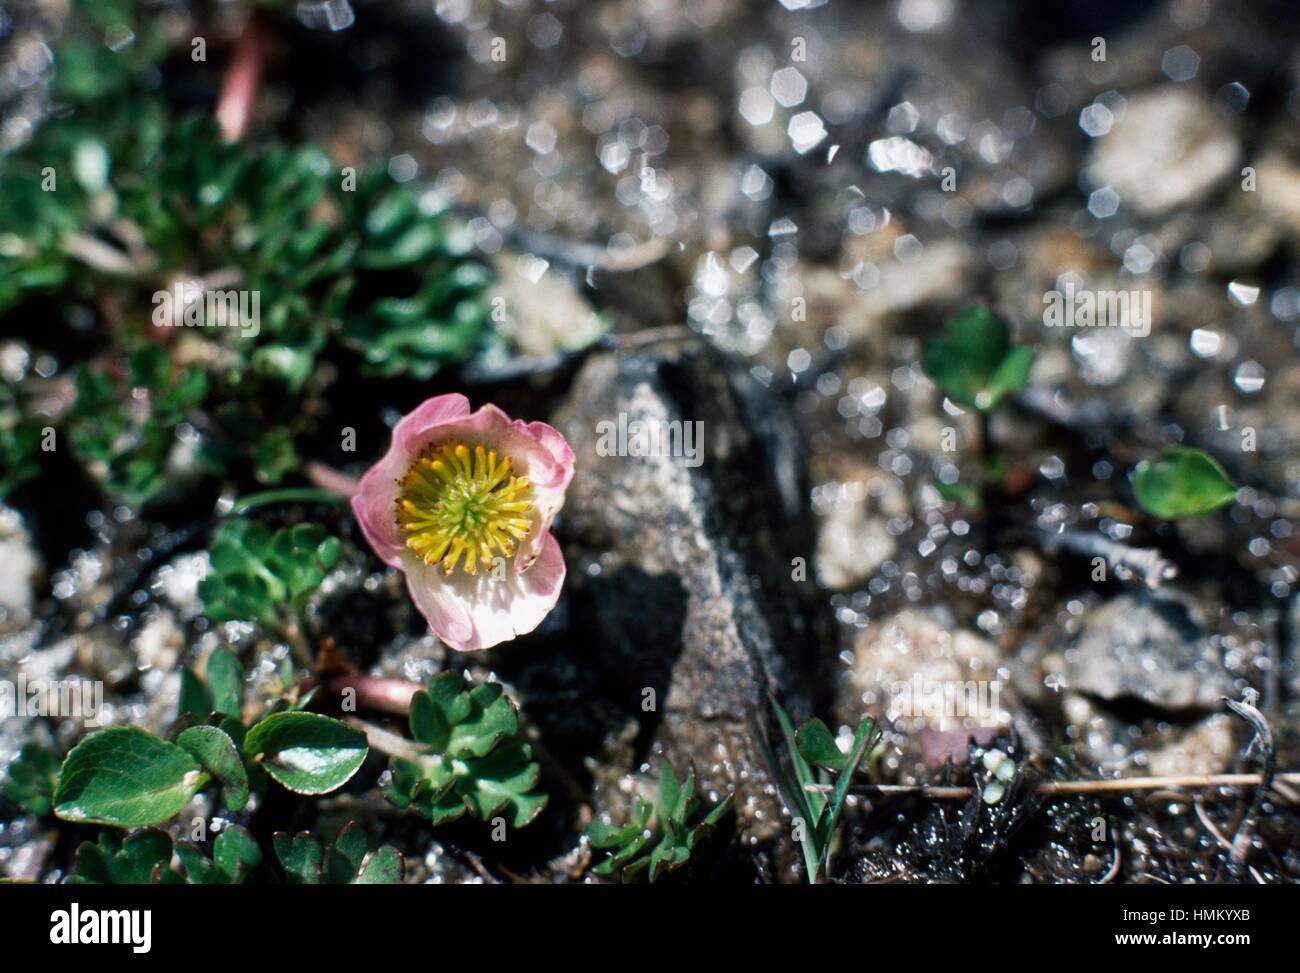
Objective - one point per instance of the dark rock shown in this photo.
(684, 568)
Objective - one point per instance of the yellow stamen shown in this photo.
(459, 500)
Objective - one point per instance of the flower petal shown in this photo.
(373, 505)
(471, 612)
(560, 450)
(442, 607)
(376, 495)
(411, 432)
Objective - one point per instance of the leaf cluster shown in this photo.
(126, 777)
(656, 838)
(469, 759)
(262, 576)
(145, 857)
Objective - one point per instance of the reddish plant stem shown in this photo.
(377, 693)
(328, 478)
(241, 83)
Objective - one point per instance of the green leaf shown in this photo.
(669, 790)
(344, 863)
(219, 755)
(32, 779)
(1182, 483)
(819, 813)
(385, 867)
(450, 720)
(808, 804)
(195, 700)
(818, 746)
(136, 860)
(865, 738)
(226, 682)
(300, 856)
(126, 777)
(307, 753)
(503, 781)
(235, 857)
(974, 361)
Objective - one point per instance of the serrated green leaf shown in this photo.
(471, 762)
(260, 576)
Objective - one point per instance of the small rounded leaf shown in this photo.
(306, 752)
(1182, 483)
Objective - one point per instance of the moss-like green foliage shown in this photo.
(246, 261)
(31, 779)
(264, 577)
(123, 426)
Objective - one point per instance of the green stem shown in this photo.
(392, 744)
(812, 861)
(285, 495)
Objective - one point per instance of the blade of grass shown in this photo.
(864, 739)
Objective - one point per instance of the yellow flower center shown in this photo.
(458, 500)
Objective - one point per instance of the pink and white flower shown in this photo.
(462, 504)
